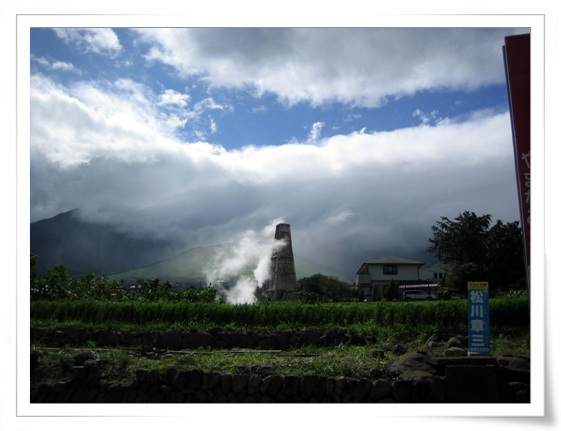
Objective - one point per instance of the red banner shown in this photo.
(517, 65)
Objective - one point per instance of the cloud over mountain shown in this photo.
(118, 148)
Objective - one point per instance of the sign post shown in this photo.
(478, 318)
(516, 52)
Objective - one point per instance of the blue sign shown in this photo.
(478, 317)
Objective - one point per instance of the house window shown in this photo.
(390, 269)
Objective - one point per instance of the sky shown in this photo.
(360, 138)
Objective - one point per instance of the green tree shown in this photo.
(474, 250)
(321, 286)
(506, 256)
(391, 291)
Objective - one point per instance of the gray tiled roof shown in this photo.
(392, 260)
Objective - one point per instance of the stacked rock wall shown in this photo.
(460, 383)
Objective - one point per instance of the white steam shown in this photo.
(245, 263)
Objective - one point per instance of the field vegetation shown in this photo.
(93, 302)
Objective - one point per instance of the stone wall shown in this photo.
(460, 382)
(415, 377)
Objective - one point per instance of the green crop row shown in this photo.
(503, 311)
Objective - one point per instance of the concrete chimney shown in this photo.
(283, 275)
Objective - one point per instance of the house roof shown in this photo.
(392, 260)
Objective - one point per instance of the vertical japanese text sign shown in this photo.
(478, 317)
(517, 66)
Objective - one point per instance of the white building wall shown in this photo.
(404, 272)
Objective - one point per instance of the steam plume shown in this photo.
(246, 264)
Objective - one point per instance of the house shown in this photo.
(374, 276)
(436, 272)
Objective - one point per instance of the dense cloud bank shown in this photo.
(111, 148)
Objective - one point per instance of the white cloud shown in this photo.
(106, 150)
(261, 108)
(427, 118)
(97, 40)
(174, 98)
(354, 66)
(315, 133)
(56, 65)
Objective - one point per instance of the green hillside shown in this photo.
(188, 267)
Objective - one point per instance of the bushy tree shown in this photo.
(391, 292)
(476, 251)
(326, 287)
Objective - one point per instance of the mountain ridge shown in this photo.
(83, 247)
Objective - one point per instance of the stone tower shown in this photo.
(283, 275)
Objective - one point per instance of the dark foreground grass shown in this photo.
(343, 360)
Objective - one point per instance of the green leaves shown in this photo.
(57, 285)
(475, 250)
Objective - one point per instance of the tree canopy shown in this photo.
(324, 287)
(475, 250)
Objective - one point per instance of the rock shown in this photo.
(339, 385)
(349, 390)
(436, 390)
(454, 342)
(520, 391)
(93, 371)
(78, 336)
(399, 350)
(172, 339)
(141, 375)
(107, 338)
(167, 375)
(193, 340)
(401, 390)
(334, 336)
(226, 383)
(195, 379)
(79, 373)
(362, 389)
(307, 386)
(380, 389)
(180, 379)
(153, 377)
(82, 357)
(375, 373)
(214, 380)
(291, 385)
(272, 385)
(471, 384)
(239, 383)
(419, 390)
(320, 387)
(514, 368)
(455, 352)
(254, 384)
(415, 374)
(128, 339)
(167, 390)
(412, 361)
(310, 337)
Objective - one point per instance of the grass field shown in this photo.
(412, 325)
(504, 313)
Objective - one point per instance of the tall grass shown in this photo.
(503, 311)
